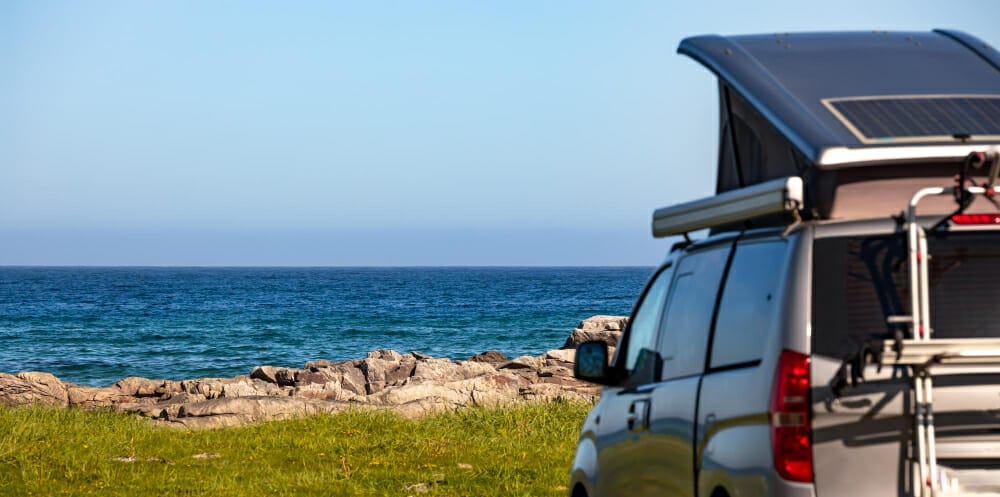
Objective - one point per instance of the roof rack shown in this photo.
(780, 196)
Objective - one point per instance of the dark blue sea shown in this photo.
(94, 326)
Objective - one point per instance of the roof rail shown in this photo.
(783, 195)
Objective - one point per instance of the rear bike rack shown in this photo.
(921, 352)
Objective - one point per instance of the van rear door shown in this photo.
(863, 414)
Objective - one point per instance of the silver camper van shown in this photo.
(837, 332)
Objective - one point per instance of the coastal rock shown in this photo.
(490, 357)
(380, 373)
(144, 409)
(385, 354)
(138, 387)
(30, 387)
(180, 398)
(555, 371)
(333, 390)
(208, 387)
(605, 328)
(320, 363)
(494, 389)
(421, 407)
(523, 362)
(444, 370)
(449, 394)
(411, 384)
(561, 355)
(168, 387)
(266, 373)
(349, 378)
(470, 369)
(92, 397)
(222, 412)
(285, 377)
(553, 392)
(170, 406)
(248, 387)
(319, 376)
(486, 390)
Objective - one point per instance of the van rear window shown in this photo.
(859, 281)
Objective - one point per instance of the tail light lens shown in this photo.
(976, 219)
(791, 440)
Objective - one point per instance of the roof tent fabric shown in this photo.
(775, 94)
(752, 151)
(786, 77)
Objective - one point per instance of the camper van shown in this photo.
(837, 331)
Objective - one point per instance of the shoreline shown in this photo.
(411, 384)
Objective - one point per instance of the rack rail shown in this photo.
(921, 352)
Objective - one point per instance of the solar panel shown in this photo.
(918, 118)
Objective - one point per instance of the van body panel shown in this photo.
(863, 438)
(734, 437)
(643, 440)
(585, 466)
(672, 427)
(793, 327)
(734, 442)
(862, 434)
(863, 424)
(860, 438)
(621, 450)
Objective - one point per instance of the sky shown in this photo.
(371, 133)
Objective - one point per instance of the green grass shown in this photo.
(524, 450)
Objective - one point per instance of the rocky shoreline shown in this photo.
(411, 384)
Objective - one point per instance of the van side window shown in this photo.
(749, 303)
(645, 321)
(684, 338)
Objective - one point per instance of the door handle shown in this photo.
(638, 415)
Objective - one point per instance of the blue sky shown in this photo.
(370, 133)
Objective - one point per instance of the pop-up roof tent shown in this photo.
(865, 118)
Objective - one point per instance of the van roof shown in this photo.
(859, 96)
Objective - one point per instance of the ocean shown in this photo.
(94, 326)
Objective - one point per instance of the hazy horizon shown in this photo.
(416, 266)
(398, 134)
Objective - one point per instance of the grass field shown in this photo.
(511, 451)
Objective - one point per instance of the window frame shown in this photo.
(722, 243)
(621, 352)
(780, 288)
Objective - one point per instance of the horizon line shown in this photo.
(347, 266)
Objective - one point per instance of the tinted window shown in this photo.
(749, 303)
(859, 281)
(689, 313)
(645, 321)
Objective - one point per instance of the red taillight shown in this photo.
(976, 219)
(791, 440)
